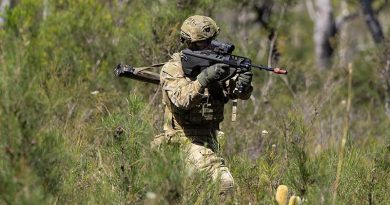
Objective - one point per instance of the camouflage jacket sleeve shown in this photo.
(181, 91)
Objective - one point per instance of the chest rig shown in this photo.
(205, 115)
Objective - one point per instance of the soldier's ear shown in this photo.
(185, 42)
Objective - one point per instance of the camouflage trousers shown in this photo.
(201, 155)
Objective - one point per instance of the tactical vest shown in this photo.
(202, 119)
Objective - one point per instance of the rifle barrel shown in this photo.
(274, 70)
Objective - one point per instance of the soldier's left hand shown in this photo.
(245, 79)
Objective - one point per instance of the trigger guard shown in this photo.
(229, 74)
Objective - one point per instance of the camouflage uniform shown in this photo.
(192, 116)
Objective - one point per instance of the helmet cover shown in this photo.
(198, 28)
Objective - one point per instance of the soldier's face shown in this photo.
(199, 45)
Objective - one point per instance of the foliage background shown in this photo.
(71, 133)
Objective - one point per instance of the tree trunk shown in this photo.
(375, 29)
(347, 43)
(324, 31)
(263, 10)
(3, 5)
(386, 78)
(13, 3)
(45, 11)
(371, 21)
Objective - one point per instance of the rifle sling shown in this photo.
(136, 70)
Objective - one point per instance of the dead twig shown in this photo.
(344, 137)
(274, 35)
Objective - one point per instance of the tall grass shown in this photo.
(70, 133)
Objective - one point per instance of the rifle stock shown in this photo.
(128, 71)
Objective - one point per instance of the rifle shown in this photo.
(194, 61)
(220, 52)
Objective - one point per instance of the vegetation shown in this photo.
(71, 133)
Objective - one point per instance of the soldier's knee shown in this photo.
(227, 182)
(157, 141)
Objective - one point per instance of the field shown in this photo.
(72, 133)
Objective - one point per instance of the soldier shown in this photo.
(194, 103)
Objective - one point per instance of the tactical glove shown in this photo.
(213, 73)
(244, 80)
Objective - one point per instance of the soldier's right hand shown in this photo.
(213, 73)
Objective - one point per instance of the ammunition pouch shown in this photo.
(205, 116)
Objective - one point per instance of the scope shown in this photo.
(222, 47)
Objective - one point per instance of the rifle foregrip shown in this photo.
(238, 89)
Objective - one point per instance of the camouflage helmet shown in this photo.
(198, 28)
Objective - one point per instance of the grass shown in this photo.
(70, 133)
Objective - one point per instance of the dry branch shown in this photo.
(344, 137)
